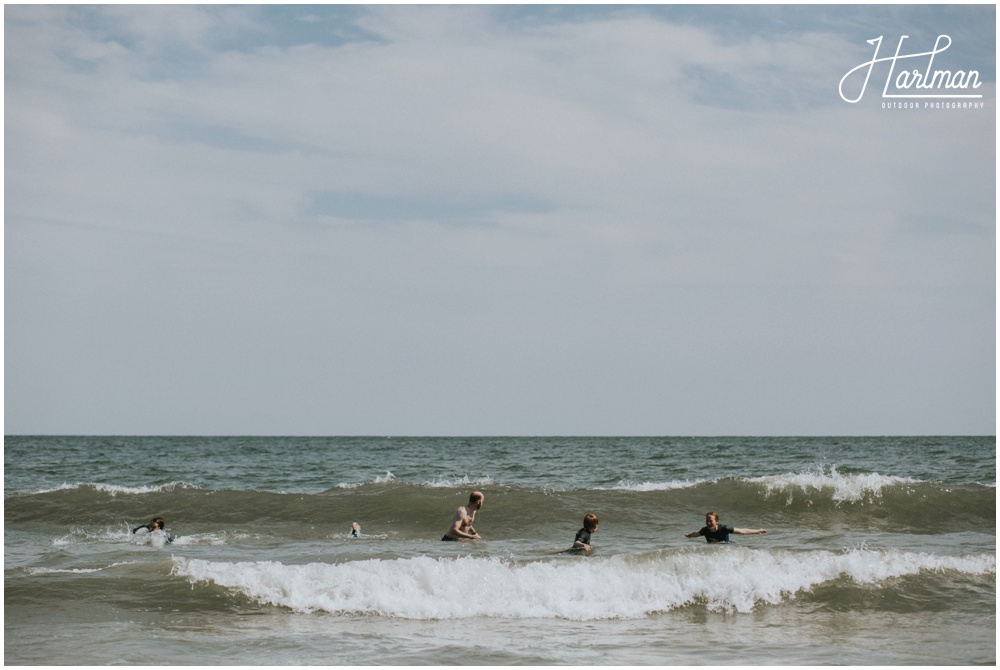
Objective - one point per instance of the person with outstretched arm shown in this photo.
(714, 532)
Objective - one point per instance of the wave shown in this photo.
(389, 478)
(117, 489)
(629, 485)
(73, 571)
(621, 587)
(867, 501)
(461, 482)
(122, 535)
(828, 479)
(841, 487)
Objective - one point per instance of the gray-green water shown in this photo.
(878, 551)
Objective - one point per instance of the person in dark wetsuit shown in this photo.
(157, 523)
(715, 533)
(582, 540)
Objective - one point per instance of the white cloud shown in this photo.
(612, 212)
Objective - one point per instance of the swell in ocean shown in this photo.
(865, 500)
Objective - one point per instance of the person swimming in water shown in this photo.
(715, 533)
(155, 524)
(582, 540)
(461, 525)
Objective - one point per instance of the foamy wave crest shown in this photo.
(115, 489)
(627, 485)
(844, 488)
(462, 481)
(113, 535)
(77, 571)
(387, 478)
(122, 535)
(213, 539)
(620, 587)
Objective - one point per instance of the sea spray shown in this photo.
(842, 488)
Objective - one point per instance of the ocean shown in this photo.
(878, 551)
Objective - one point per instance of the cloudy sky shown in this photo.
(494, 220)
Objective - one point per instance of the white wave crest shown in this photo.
(213, 539)
(115, 489)
(619, 587)
(76, 571)
(387, 478)
(627, 485)
(845, 488)
(460, 481)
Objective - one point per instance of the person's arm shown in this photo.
(747, 531)
(696, 533)
(456, 528)
(581, 545)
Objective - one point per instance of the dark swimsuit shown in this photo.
(582, 535)
(719, 535)
(448, 538)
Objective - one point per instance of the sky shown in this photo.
(496, 220)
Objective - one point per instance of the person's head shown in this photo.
(712, 520)
(590, 522)
(476, 499)
(157, 523)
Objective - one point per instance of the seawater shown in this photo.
(878, 551)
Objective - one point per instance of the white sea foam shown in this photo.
(387, 478)
(114, 535)
(122, 535)
(115, 489)
(849, 487)
(627, 485)
(213, 539)
(844, 488)
(620, 587)
(460, 481)
(43, 571)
